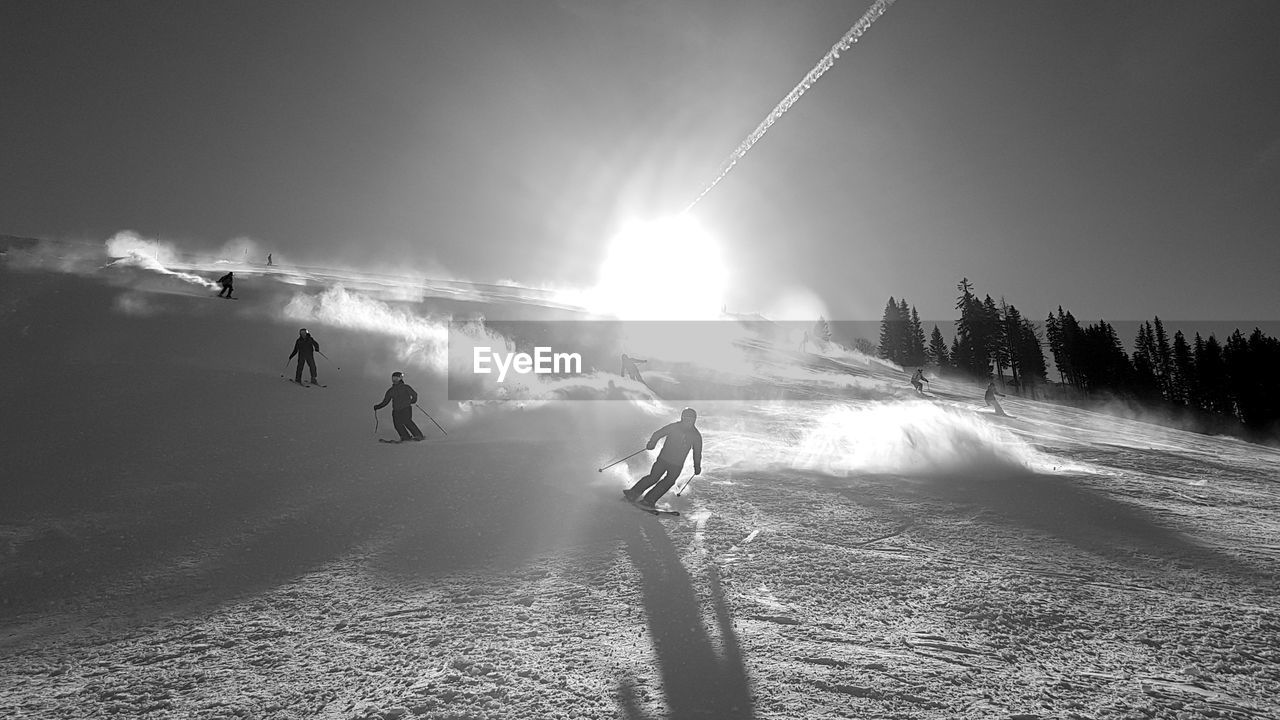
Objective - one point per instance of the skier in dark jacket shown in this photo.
(402, 397)
(305, 347)
(681, 437)
(226, 282)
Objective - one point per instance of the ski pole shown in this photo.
(326, 357)
(615, 462)
(433, 420)
(686, 485)
(286, 366)
(375, 422)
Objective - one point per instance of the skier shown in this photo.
(402, 397)
(918, 380)
(225, 281)
(681, 437)
(305, 347)
(269, 259)
(629, 369)
(992, 392)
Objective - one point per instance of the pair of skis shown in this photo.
(650, 510)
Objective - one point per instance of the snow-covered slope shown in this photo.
(185, 534)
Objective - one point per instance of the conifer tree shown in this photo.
(969, 352)
(1053, 332)
(994, 343)
(1030, 354)
(1022, 347)
(1264, 358)
(916, 347)
(937, 352)
(1099, 361)
(1011, 336)
(1239, 380)
(820, 333)
(1070, 351)
(1182, 387)
(1145, 385)
(1211, 376)
(1253, 385)
(904, 339)
(1164, 360)
(892, 330)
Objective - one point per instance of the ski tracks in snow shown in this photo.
(877, 598)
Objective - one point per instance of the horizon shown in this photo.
(846, 330)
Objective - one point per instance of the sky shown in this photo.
(1119, 159)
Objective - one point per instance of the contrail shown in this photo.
(875, 11)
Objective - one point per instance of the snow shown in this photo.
(183, 534)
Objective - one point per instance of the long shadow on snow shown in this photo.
(699, 680)
(197, 546)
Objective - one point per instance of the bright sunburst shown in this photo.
(668, 269)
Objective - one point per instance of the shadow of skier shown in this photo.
(702, 674)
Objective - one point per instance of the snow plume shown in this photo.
(909, 438)
(875, 11)
(463, 339)
(912, 439)
(130, 249)
(420, 341)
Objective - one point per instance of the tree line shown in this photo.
(1216, 384)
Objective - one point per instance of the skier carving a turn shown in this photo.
(681, 437)
(402, 397)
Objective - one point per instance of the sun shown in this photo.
(668, 269)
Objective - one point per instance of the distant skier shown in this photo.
(305, 348)
(226, 282)
(629, 369)
(269, 259)
(402, 397)
(991, 395)
(681, 437)
(918, 380)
